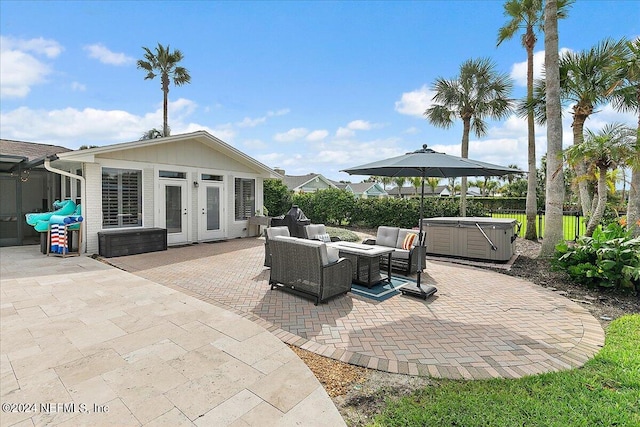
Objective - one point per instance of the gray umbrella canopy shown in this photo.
(426, 163)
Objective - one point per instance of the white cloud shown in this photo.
(78, 87)
(103, 54)
(281, 112)
(415, 103)
(344, 133)
(248, 122)
(21, 69)
(519, 69)
(39, 46)
(291, 135)
(71, 127)
(317, 135)
(359, 125)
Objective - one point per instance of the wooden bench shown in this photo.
(112, 243)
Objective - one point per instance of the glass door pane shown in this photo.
(173, 208)
(213, 208)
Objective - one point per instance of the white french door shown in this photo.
(174, 210)
(210, 211)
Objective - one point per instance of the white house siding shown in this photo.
(92, 205)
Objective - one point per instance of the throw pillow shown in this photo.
(333, 254)
(409, 241)
(323, 237)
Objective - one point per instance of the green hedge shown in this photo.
(339, 207)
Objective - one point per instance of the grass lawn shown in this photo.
(604, 392)
(569, 224)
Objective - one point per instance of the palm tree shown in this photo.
(625, 94)
(433, 184)
(151, 134)
(585, 78)
(165, 63)
(479, 92)
(555, 177)
(399, 181)
(416, 183)
(606, 150)
(528, 15)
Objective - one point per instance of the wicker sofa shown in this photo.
(269, 234)
(403, 260)
(308, 268)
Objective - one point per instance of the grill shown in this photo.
(295, 220)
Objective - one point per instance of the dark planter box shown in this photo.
(131, 242)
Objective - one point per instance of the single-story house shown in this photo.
(194, 185)
(25, 187)
(366, 190)
(309, 183)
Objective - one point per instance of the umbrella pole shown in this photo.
(419, 291)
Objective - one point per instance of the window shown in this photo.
(245, 198)
(121, 198)
(172, 174)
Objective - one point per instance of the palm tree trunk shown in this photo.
(465, 154)
(532, 203)
(165, 105)
(555, 178)
(633, 206)
(598, 211)
(581, 168)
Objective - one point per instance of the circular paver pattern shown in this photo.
(480, 324)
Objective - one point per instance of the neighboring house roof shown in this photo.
(340, 185)
(471, 191)
(29, 154)
(298, 182)
(372, 188)
(200, 136)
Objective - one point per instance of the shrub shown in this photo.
(609, 259)
(277, 197)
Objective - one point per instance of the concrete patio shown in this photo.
(83, 343)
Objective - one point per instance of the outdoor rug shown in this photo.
(383, 290)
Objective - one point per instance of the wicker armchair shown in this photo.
(305, 268)
(270, 233)
(403, 260)
(318, 232)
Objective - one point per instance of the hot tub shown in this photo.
(489, 239)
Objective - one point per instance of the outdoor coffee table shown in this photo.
(366, 261)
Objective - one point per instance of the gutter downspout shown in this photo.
(83, 189)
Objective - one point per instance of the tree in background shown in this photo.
(555, 179)
(277, 197)
(625, 93)
(433, 184)
(164, 63)
(585, 78)
(416, 183)
(606, 150)
(400, 181)
(528, 15)
(151, 134)
(478, 93)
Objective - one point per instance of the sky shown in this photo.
(309, 87)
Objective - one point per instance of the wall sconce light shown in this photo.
(196, 184)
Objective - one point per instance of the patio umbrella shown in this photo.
(426, 163)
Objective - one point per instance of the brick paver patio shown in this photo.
(480, 323)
